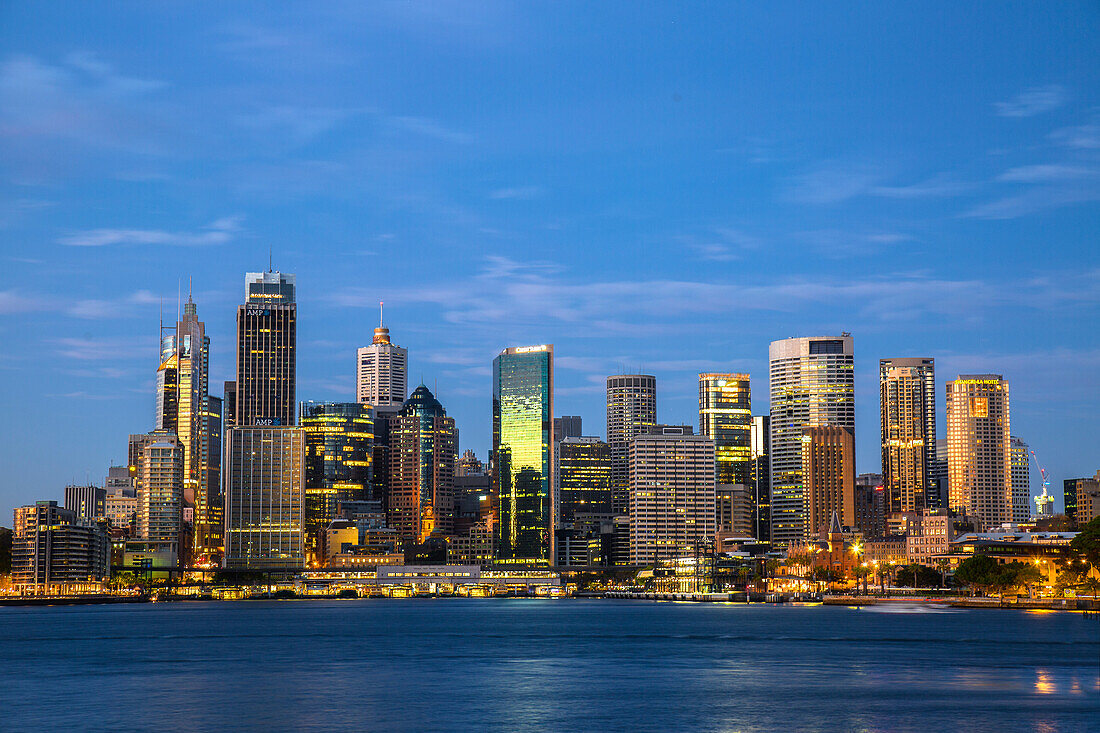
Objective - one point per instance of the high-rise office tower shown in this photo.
(470, 465)
(89, 502)
(264, 498)
(907, 418)
(567, 426)
(725, 416)
(871, 505)
(382, 370)
(760, 476)
(631, 410)
(672, 495)
(979, 458)
(120, 504)
(523, 453)
(812, 384)
(267, 328)
(584, 477)
(828, 476)
(422, 468)
(1021, 480)
(339, 452)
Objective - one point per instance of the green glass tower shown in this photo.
(523, 447)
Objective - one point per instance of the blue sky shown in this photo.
(663, 187)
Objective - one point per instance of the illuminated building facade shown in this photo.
(584, 477)
(264, 498)
(725, 416)
(907, 418)
(672, 495)
(339, 440)
(523, 451)
(422, 468)
(267, 328)
(828, 476)
(812, 384)
(382, 370)
(631, 410)
(760, 477)
(1021, 479)
(160, 491)
(53, 547)
(979, 451)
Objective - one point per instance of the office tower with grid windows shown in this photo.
(907, 419)
(979, 462)
(812, 384)
(267, 334)
(631, 410)
(422, 469)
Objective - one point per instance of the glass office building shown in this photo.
(725, 416)
(523, 409)
(422, 469)
(584, 477)
(339, 453)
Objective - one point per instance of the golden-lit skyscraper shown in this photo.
(584, 477)
(979, 461)
(725, 416)
(339, 453)
(812, 384)
(907, 417)
(828, 476)
(523, 454)
(267, 336)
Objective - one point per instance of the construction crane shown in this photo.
(1044, 505)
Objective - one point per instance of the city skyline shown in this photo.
(667, 209)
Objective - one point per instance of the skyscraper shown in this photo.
(584, 477)
(523, 451)
(1021, 480)
(725, 416)
(160, 492)
(264, 495)
(267, 327)
(812, 384)
(339, 451)
(828, 476)
(631, 410)
(760, 477)
(672, 495)
(382, 370)
(422, 469)
(979, 457)
(89, 502)
(907, 417)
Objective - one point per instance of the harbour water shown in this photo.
(504, 665)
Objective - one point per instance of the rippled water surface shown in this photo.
(469, 664)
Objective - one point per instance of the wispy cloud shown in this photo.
(431, 128)
(1083, 137)
(218, 232)
(516, 192)
(1046, 173)
(833, 184)
(1031, 102)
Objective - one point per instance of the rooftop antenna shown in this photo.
(269, 268)
(189, 279)
(380, 314)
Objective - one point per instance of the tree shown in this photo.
(1086, 544)
(916, 576)
(861, 572)
(1026, 575)
(980, 571)
(942, 564)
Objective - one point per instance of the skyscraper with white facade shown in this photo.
(382, 371)
(812, 384)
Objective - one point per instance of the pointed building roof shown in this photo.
(422, 401)
(834, 524)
